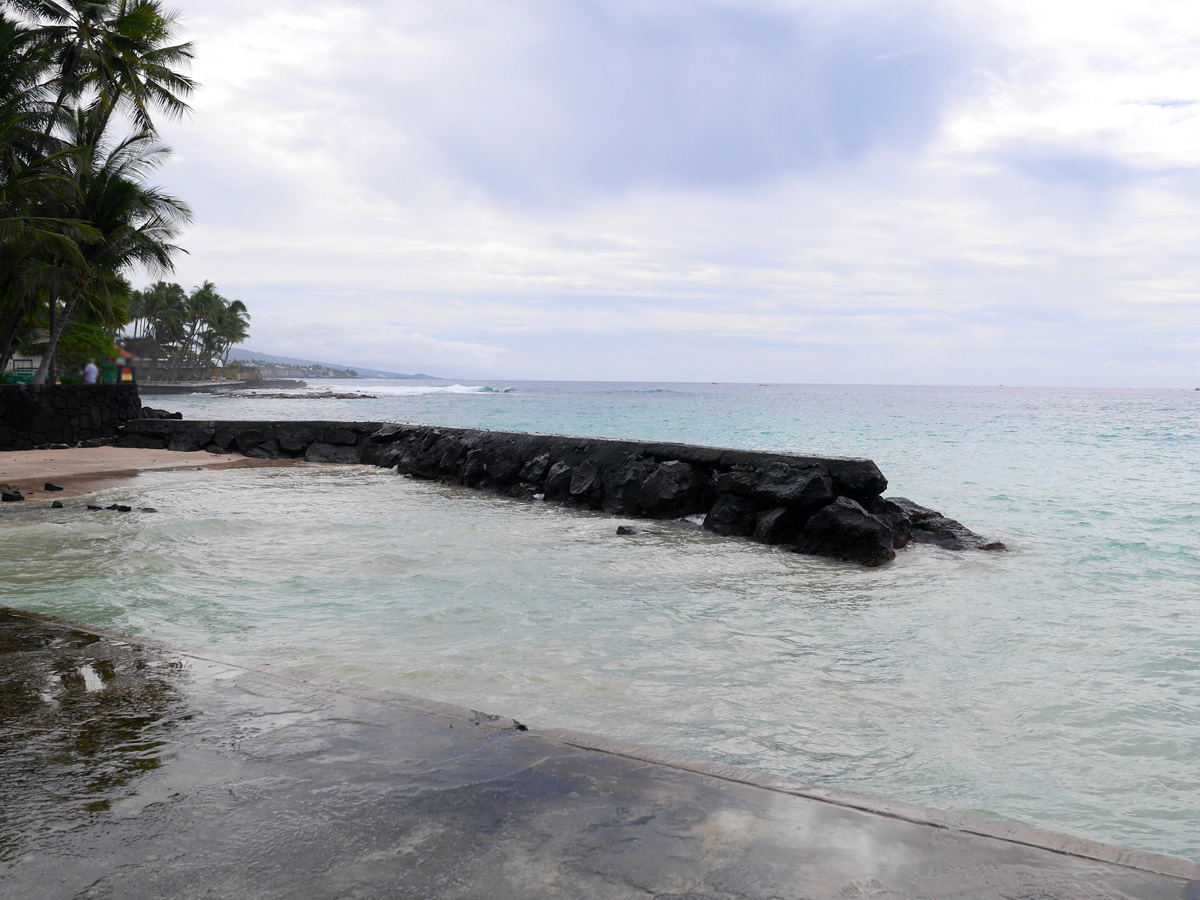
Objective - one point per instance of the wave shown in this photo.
(384, 389)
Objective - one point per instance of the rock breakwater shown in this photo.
(826, 506)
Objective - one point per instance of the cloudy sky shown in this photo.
(762, 190)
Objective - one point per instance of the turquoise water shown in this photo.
(1054, 685)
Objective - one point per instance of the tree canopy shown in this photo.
(185, 330)
(82, 83)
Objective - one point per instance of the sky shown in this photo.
(695, 190)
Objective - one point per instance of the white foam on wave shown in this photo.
(378, 389)
(385, 389)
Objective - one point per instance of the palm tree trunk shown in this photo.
(56, 327)
(51, 319)
(185, 346)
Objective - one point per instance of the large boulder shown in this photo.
(623, 485)
(535, 469)
(738, 481)
(844, 530)
(732, 515)
(248, 440)
(474, 468)
(586, 483)
(558, 481)
(388, 433)
(931, 527)
(294, 441)
(893, 516)
(674, 488)
(804, 489)
(859, 479)
(339, 436)
(184, 442)
(446, 457)
(503, 465)
(224, 438)
(268, 449)
(780, 525)
(320, 452)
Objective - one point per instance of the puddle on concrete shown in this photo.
(80, 720)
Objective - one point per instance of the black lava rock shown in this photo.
(780, 525)
(558, 481)
(893, 516)
(387, 434)
(328, 453)
(187, 442)
(294, 442)
(51, 486)
(11, 496)
(340, 437)
(732, 515)
(931, 527)
(674, 488)
(57, 504)
(844, 530)
(586, 484)
(804, 489)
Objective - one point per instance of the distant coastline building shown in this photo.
(278, 371)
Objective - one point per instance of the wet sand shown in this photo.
(132, 770)
(81, 470)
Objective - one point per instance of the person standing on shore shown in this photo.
(90, 372)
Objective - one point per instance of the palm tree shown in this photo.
(135, 221)
(110, 55)
(231, 327)
(119, 51)
(158, 313)
(34, 234)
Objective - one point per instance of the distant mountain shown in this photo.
(245, 355)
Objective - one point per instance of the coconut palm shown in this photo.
(158, 313)
(120, 52)
(203, 305)
(70, 56)
(199, 328)
(136, 222)
(231, 326)
(35, 236)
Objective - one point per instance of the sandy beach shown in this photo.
(81, 470)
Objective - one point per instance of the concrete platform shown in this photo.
(134, 771)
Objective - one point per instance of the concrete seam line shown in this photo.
(1012, 833)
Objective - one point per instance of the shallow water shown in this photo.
(1055, 685)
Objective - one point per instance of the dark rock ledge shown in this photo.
(826, 506)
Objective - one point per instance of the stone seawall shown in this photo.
(827, 506)
(33, 416)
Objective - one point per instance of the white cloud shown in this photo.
(704, 190)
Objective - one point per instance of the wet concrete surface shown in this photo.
(131, 771)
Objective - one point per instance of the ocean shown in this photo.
(1056, 685)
